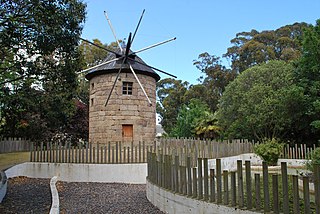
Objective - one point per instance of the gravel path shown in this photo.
(104, 198)
(27, 195)
(31, 195)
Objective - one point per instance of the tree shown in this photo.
(188, 118)
(262, 102)
(308, 77)
(253, 48)
(215, 80)
(171, 96)
(207, 126)
(39, 61)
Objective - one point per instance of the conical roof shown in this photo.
(113, 67)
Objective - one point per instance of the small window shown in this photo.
(92, 86)
(127, 88)
(91, 101)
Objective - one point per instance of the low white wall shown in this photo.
(105, 173)
(169, 202)
(230, 163)
(3, 185)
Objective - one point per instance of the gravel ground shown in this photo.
(31, 195)
(104, 198)
(27, 195)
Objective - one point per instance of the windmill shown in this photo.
(127, 57)
(123, 117)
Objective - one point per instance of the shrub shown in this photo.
(269, 151)
(315, 159)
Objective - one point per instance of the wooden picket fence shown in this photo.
(239, 189)
(136, 152)
(14, 145)
(121, 152)
(298, 151)
(98, 154)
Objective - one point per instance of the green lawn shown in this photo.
(10, 159)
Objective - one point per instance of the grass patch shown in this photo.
(10, 159)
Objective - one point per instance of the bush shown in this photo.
(269, 151)
(315, 159)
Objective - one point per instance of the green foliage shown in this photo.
(308, 77)
(39, 61)
(171, 95)
(315, 159)
(252, 48)
(216, 78)
(188, 118)
(262, 102)
(207, 126)
(269, 151)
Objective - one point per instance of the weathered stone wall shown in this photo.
(105, 122)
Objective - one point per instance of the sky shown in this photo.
(199, 26)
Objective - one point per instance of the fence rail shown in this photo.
(241, 188)
(14, 145)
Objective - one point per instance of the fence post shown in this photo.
(257, 191)
(62, 156)
(212, 186)
(205, 176)
(51, 158)
(285, 190)
(265, 187)
(189, 176)
(316, 171)
(31, 152)
(41, 151)
(128, 154)
(240, 183)
(200, 179)
(109, 152)
(90, 152)
(47, 152)
(143, 152)
(225, 187)
(112, 154)
(101, 155)
(295, 191)
(306, 195)
(194, 182)
(98, 149)
(233, 189)
(176, 173)
(275, 193)
(117, 152)
(56, 153)
(248, 185)
(219, 188)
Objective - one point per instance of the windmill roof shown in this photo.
(114, 66)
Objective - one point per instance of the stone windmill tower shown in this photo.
(123, 96)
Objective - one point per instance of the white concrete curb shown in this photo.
(3, 185)
(55, 196)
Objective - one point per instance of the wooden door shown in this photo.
(127, 132)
